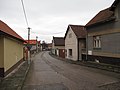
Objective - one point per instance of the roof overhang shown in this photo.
(5, 34)
(102, 22)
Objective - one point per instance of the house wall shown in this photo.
(117, 11)
(110, 40)
(71, 43)
(1, 56)
(53, 47)
(1, 52)
(59, 47)
(110, 45)
(13, 52)
(55, 50)
(82, 45)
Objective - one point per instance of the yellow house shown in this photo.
(11, 49)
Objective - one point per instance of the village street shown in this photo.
(48, 73)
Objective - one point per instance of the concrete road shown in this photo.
(48, 73)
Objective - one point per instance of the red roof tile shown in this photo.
(101, 16)
(6, 29)
(31, 42)
(59, 41)
(79, 30)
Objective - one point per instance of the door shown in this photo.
(62, 53)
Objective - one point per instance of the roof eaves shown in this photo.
(102, 21)
(6, 34)
(66, 31)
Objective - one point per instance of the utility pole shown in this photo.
(29, 54)
(86, 46)
(36, 44)
(29, 35)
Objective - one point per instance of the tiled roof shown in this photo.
(31, 42)
(49, 44)
(59, 41)
(103, 15)
(6, 29)
(79, 30)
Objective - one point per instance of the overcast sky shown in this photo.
(49, 18)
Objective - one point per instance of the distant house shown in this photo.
(11, 49)
(34, 45)
(58, 46)
(44, 46)
(75, 41)
(49, 46)
(104, 36)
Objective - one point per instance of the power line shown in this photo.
(34, 32)
(25, 13)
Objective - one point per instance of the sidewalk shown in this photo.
(15, 80)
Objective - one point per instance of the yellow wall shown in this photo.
(1, 52)
(13, 52)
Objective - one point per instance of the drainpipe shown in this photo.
(78, 47)
(86, 46)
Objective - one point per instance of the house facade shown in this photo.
(104, 36)
(49, 46)
(58, 46)
(34, 45)
(75, 39)
(11, 49)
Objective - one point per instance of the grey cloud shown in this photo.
(47, 17)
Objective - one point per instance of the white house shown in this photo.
(75, 39)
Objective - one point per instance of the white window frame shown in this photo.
(97, 41)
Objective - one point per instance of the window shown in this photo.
(70, 52)
(97, 41)
(70, 35)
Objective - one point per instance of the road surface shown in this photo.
(48, 73)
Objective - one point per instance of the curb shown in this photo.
(26, 73)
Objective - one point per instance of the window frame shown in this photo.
(70, 52)
(97, 42)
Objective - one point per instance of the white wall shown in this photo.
(71, 43)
